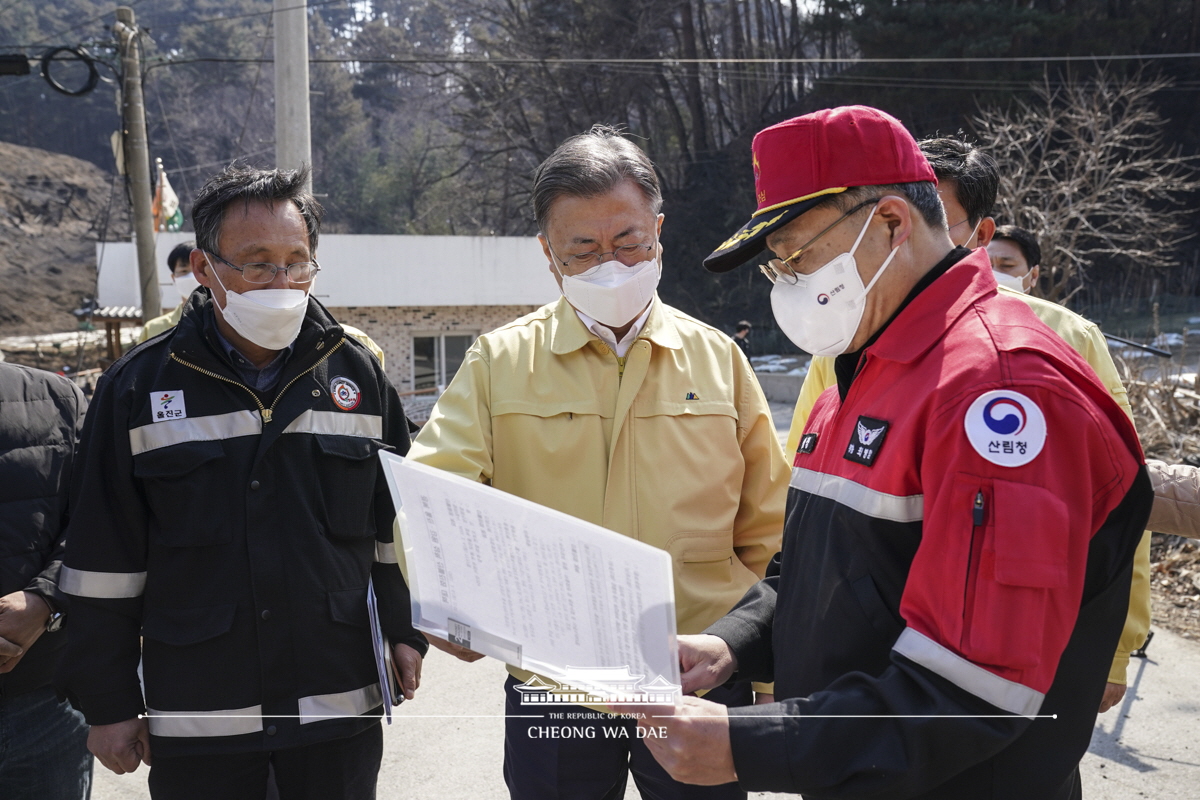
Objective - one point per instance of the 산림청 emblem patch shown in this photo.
(345, 393)
(1006, 428)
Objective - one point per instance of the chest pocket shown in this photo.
(533, 439)
(347, 468)
(179, 482)
(696, 437)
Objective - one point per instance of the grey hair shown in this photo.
(922, 195)
(591, 164)
(238, 182)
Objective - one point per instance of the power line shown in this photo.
(484, 60)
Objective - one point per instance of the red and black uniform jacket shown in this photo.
(234, 533)
(940, 621)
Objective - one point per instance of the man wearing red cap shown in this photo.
(963, 512)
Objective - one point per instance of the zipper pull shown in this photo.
(266, 415)
(977, 512)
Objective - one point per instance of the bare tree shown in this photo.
(1085, 166)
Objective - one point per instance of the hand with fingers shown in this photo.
(122, 745)
(691, 741)
(705, 662)
(408, 664)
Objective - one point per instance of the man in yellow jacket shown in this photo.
(613, 407)
(968, 181)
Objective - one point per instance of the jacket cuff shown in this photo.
(1117, 673)
(758, 740)
(112, 707)
(743, 640)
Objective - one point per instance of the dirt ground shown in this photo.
(1175, 585)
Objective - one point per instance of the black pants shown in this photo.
(587, 755)
(341, 769)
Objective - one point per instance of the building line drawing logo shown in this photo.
(606, 685)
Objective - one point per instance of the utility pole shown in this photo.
(293, 141)
(137, 158)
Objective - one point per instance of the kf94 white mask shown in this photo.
(612, 293)
(185, 285)
(1017, 284)
(821, 312)
(271, 318)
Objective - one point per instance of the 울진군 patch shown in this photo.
(345, 393)
(166, 406)
(866, 441)
(1006, 428)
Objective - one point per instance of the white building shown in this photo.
(423, 299)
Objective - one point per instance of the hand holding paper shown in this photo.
(496, 574)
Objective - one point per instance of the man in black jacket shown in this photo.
(231, 511)
(44, 752)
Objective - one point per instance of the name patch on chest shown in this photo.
(166, 406)
(808, 443)
(866, 441)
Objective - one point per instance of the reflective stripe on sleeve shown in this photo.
(340, 704)
(102, 585)
(231, 722)
(1000, 692)
(385, 553)
(895, 508)
(194, 429)
(337, 423)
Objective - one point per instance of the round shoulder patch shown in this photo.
(1006, 428)
(345, 393)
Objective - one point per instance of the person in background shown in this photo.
(1016, 258)
(180, 264)
(741, 335)
(615, 408)
(43, 741)
(968, 181)
(179, 261)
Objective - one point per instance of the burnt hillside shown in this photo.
(53, 209)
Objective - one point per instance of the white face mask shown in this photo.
(821, 312)
(270, 318)
(612, 293)
(1017, 284)
(185, 285)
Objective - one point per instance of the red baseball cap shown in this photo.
(799, 162)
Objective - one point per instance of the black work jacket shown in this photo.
(40, 415)
(235, 532)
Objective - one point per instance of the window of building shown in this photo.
(437, 356)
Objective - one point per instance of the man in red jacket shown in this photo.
(963, 512)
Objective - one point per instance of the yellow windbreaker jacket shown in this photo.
(672, 445)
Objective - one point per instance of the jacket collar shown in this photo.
(195, 337)
(931, 313)
(568, 333)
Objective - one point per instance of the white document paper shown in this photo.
(536, 588)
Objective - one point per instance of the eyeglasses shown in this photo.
(778, 269)
(628, 255)
(300, 272)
